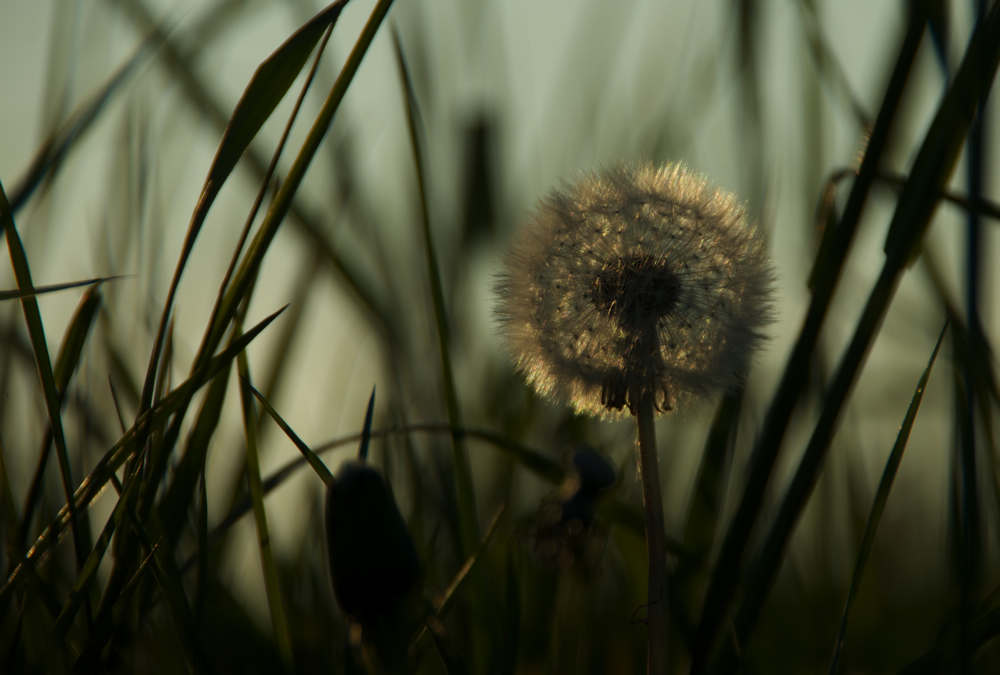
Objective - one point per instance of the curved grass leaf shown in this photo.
(464, 488)
(881, 497)
(823, 281)
(315, 462)
(933, 165)
(112, 460)
(366, 430)
(36, 333)
(271, 584)
(41, 290)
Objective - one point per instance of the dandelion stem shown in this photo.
(657, 610)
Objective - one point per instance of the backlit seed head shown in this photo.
(635, 279)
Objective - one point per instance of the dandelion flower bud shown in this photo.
(373, 561)
(635, 279)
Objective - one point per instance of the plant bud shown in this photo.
(373, 561)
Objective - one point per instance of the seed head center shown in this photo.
(636, 291)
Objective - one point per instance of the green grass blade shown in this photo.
(112, 460)
(266, 88)
(823, 281)
(282, 202)
(366, 430)
(41, 290)
(173, 506)
(86, 576)
(315, 462)
(451, 661)
(66, 362)
(269, 84)
(932, 166)
(881, 497)
(278, 621)
(54, 150)
(43, 363)
(467, 512)
(450, 593)
(201, 96)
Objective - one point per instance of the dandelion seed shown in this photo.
(636, 279)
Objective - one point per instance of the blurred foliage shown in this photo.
(133, 458)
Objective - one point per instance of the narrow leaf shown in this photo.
(881, 497)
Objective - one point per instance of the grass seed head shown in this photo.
(635, 279)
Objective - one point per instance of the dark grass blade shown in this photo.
(823, 281)
(450, 593)
(465, 491)
(266, 89)
(43, 363)
(314, 461)
(269, 84)
(451, 660)
(613, 510)
(279, 622)
(173, 506)
(512, 616)
(282, 202)
(199, 93)
(881, 497)
(690, 575)
(933, 165)
(66, 362)
(54, 150)
(86, 576)
(366, 431)
(941, 657)
(116, 456)
(41, 290)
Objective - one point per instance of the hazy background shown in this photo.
(768, 103)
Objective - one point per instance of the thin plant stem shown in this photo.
(657, 609)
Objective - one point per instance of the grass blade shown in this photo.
(41, 290)
(933, 165)
(315, 462)
(112, 460)
(881, 497)
(43, 363)
(451, 661)
(468, 522)
(823, 281)
(366, 431)
(278, 621)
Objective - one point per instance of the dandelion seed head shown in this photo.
(635, 278)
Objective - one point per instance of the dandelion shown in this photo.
(635, 279)
(637, 291)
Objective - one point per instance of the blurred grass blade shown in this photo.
(512, 616)
(271, 583)
(269, 84)
(66, 362)
(266, 89)
(933, 165)
(450, 593)
(81, 587)
(464, 488)
(451, 661)
(41, 290)
(57, 146)
(881, 497)
(174, 504)
(366, 431)
(112, 460)
(282, 201)
(36, 333)
(315, 462)
(823, 281)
